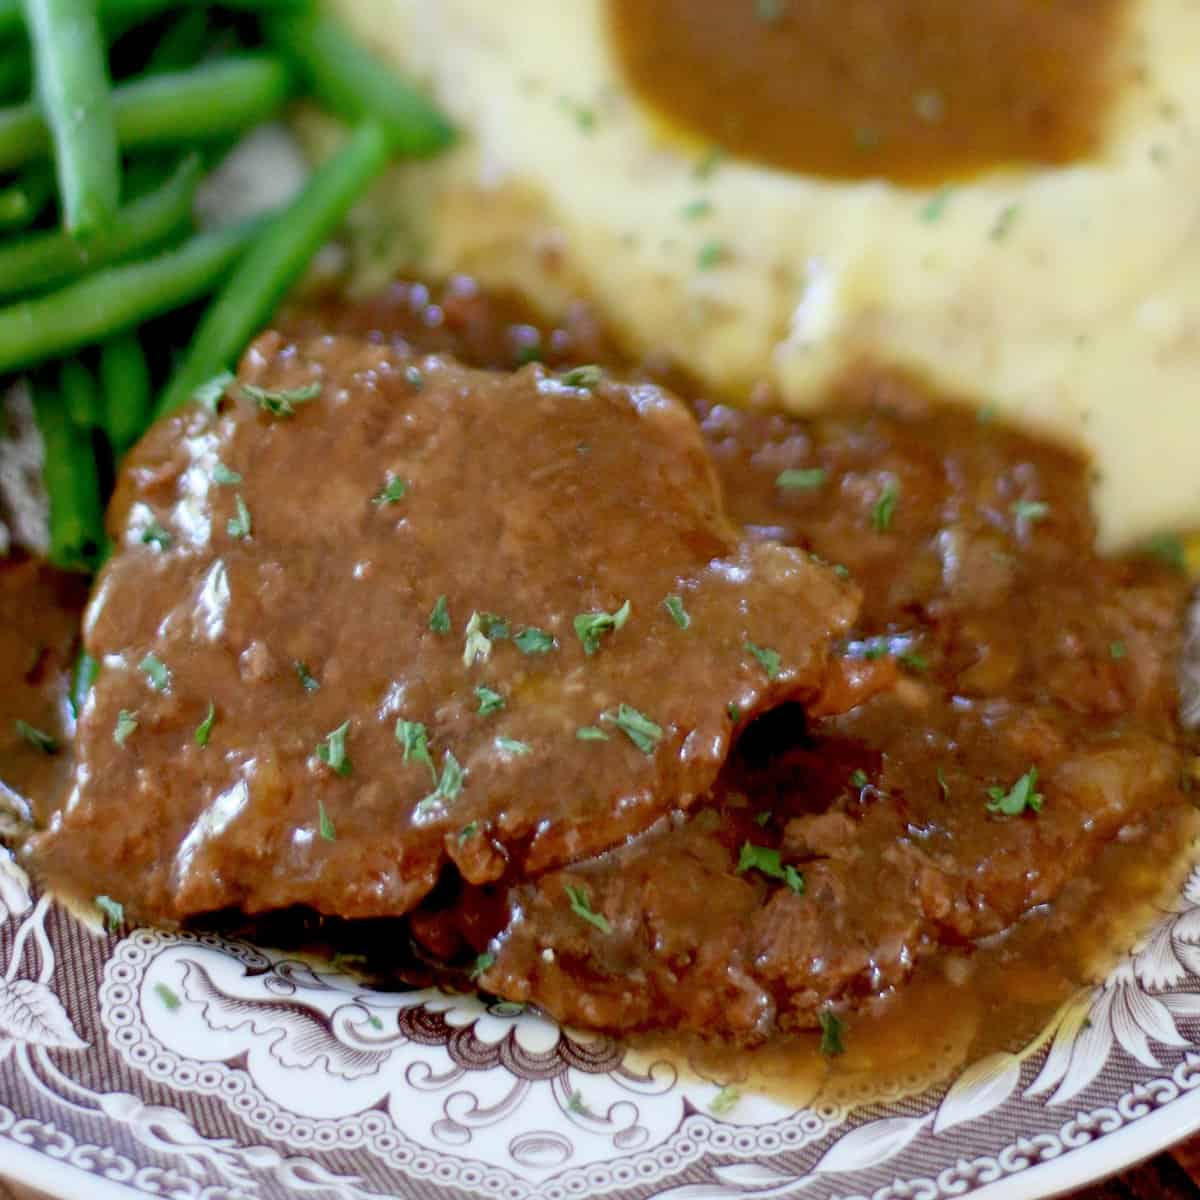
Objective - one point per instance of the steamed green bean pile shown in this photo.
(116, 305)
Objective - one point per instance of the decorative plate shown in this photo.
(185, 1066)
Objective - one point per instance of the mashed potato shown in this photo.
(1068, 298)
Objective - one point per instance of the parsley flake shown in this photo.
(414, 739)
(331, 750)
(575, 1103)
(1003, 223)
(581, 907)
(590, 627)
(1116, 651)
(724, 1101)
(1018, 798)
(590, 733)
(204, 729)
(212, 391)
(636, 726)
(390, 493)
(711, 255)
(859, 778)
(766, 860)
(767, 658)
(513, 746)
(734, 711)
(679, 614)
(36, 738)
(281, 402)
(1168, 548)
(307, 682)
(706, 167)
(467, 832)
(324, 824)
(913, 661)
(768, 11)
(170, 1000)
(484, 962)
(934, 208)
(884, 510)
(534, 641)
(449, 786)
(414, 378)
(239, 526)
(224, 476)
(801, 479)
(155, 535)
(156, 672)
(489, 701)
(941, 778)
(763, 819)
(695, 209)
(439, 619)
(1030, 511)
(113, 912)
(126, 724)
(585, 377)
(831, 1034)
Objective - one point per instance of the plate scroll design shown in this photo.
(181, 1065)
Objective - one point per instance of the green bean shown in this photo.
(22, 202)
(356, 85)
(51, 259)
(77, 387)
(277, 260)
(118, 298)
(72, 482)
(74, 95)
(208, 102)
(125, 381)
(124, 14)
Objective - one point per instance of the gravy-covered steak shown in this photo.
(370, 613)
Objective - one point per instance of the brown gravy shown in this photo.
(918, 92)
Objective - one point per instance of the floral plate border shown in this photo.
(184, 1066)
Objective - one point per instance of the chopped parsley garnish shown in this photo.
(636, 726)
(763, 819)
(36, 738)
(695, 209)
(913, 661)
(439, 619)
(489, 701)
(514, 746)
(1168, 548)
(156, 672)
(933, 209)
(155, 535)
(239, 526)
(831, 1034)
(484, 962)
(575, 1103)
(884, 510)
(84, 675)
(1018, 798)
(449, 786)
(390, 493)
(589, 733)
(723, 1102)
(801, 479)
(331, 750)
(581, 907)
(467, 832)
(126, 724)
(170, 1001)
(986, 415)
(324, 824)
(767, 658)
(534, 641)
(859, 778)
(768, 11)
(1030, 511)
(307, 681)
(586, 377)
(707, 166)
(711, 255)
(941, 778)
(113, 911)
(1003, 223)
(679, 614)
(414, 739)
(734, 711)
(414, 378)
(592, 626)
(766, 860)
(224, 476)
(1116, 651)
(280, 402)
(212, 391)
(204, 729)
